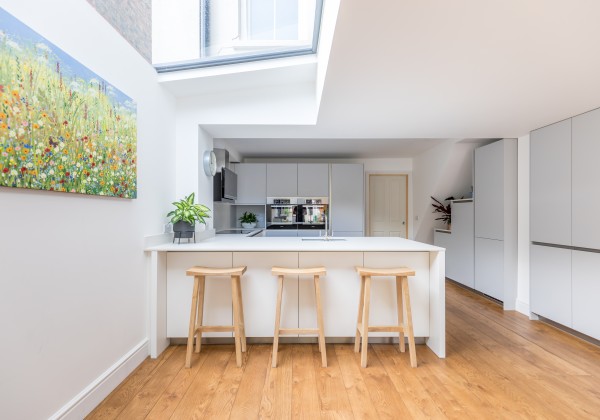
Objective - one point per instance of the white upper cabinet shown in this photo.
(313, 180)
(489, 191)
(252, 183)
(347, 197)
(586, 179)
(282, 180)
(550, 183)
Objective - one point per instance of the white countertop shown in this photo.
(241, 243)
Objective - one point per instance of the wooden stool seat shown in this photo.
(281, 272)
(405, 324)
(196, 314)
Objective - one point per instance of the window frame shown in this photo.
(203, 62)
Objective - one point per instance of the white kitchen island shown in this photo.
(171, 289)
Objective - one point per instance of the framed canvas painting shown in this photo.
(62, 127)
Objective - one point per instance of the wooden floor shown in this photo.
(499, 365)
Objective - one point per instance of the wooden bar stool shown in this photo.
(196, 313)
(405, 324)
(281, 272)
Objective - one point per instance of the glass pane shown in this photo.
(193, 31)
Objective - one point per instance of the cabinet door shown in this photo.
(489, 267)
(586, 290)
(340, 289)
(463, 249)
(347, 197)
(445, 240)
(313, 180)
(259, 291)
(550, 283)
(550, 184)
(218, 309)
(282, 179)
(489, 191)
(346, 234)
(252, 183)
(586, 178)
(383, 290)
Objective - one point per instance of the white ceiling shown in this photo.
(432, 69)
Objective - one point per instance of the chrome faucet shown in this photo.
(327, 235)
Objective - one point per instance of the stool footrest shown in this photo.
(298, 331)
(215, 328)
(383, 328)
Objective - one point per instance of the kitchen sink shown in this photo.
(323, 239)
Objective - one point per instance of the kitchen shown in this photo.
(413, 93)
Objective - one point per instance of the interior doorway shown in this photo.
(388, 205)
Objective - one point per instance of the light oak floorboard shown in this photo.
(499, 365)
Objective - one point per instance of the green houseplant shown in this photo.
(248, 220)
(185, 216)
(445, 210)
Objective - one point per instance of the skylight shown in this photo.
(189, 34)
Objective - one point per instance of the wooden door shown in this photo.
(388, 205)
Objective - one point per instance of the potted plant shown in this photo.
(446, 210)
(248, 220)
(185, 216)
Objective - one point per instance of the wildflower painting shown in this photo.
(62, 127)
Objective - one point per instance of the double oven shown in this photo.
(296, 213)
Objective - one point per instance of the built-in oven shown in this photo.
(282, 213)
(312, 213)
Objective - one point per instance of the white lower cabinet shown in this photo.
(550, 283)
(259, 291)
(586, 291)
(489, 267)
(218, 308)
(383, 290)
(340, 289)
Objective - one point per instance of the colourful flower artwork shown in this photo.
(62, 127)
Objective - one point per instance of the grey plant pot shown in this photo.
(183, 230)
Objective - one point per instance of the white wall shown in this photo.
(175, 30)
(73, 293)
(523, 225)
(443, 171)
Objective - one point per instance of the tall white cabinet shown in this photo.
(347, 199)
(565, 229)
(495, 196)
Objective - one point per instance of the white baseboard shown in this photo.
(93, 394)
(522, 307)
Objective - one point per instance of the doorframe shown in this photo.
(368, 198)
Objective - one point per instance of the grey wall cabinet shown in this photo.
(586, 290)
(585, 149)
(550, 282)
(463, 234)
(282, 179)
(347, 198)
(489, 267)
(550, 183)
(313, 180)
(489, 191)
(252, 183)
(495, 196)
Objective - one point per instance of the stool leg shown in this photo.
(320, 322)
(400, 308)
(361, 301)
(277, 321)
(365, 337)
(236, 321)
(242, 322)
(193, 312)
(200, 315)
(408, 322)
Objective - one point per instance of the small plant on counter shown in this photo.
(446, 210)
(185, 216)
(248, 219)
